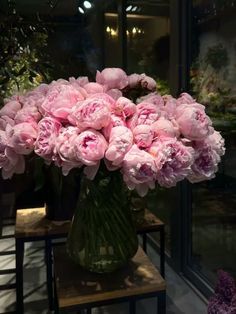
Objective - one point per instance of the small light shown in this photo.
(87, 4)
(127, 32)
(134, 9)
(81, 10)
(128, 8)
(139, 31)
(108, 29)
(134, 31)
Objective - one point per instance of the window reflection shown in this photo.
(213, 83)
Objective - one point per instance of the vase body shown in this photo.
(102, 237)
(61, 194)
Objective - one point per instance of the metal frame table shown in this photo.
(77, 289)
(32, 225)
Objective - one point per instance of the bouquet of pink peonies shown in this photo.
(150, 138)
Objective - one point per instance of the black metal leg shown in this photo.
(89, 311)
(19, 276)
(162, 252)
(132, 307)
(48, 255)
(55, 300)
(145, 242)
(161, 303)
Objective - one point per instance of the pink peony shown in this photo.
(120, 142)
(170, 105)
(114, 93)
(4, 121)
(89, 147)
(112, 78)
(141, 80)
(10, 161)
(60, 99)
(28, 114)
(115, 121)
(143, 135)
(94, 88)
(185, 98)
(10, 109)
(153, 98)
(48, 130)
(79, 82)
(193, 122)
(22, 137)
(146, 113)
(139, 170)
(173, 161)
(216, 142)
(64, 151)
(124, 107)
(163, 127)
(91, 113)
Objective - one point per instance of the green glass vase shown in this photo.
(102, 237)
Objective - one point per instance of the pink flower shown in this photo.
(185, 98)
(193, 122)
(28, 114)
(208, 154)
(173, 161)
(4, 121)
(91, 113)
(48, 130)
(205, 165)
(120, 142)
(153, 98)
(112, 78)
(165, 128)
(142, 80)
(124, 107)
(10, 109)
(139, 170)
(114, 93)
(64, 149)
(10, 161)
(94, 88)
(146, 113)
(89, 147)
(79, 82)
(22, 137)
(60, 99)
(143, 135)
(115, 121)
(170, 106)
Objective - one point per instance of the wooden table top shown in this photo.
(31, 222)
(76, 286)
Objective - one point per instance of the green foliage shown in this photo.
(23, 61)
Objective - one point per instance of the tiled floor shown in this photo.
(181, 299)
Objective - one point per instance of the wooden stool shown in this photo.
(76, 288)
(32, 225)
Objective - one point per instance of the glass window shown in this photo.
(213, 83)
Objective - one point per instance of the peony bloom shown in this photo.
(22, 137)
(141, 80)
(114, 93)
(185, 98)
(10, 109)
(146, 113)
(10, 161)
(193, 122)
(112, 78)
(63, 149)
(120, 142)
(208, 154)
(89, 147)
(4, 121)
(48, 130)
(139, 170)
(91, 113)
(60, 99)
(173, 160)
(115, 121)
(79, 82)
(94, 88)
(28, 114)
(124, 107)
(165, 128)
(143, 135)
(170, 106)
(153, 98)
